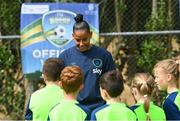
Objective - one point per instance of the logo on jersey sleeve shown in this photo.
(98, 64)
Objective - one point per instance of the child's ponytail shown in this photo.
(147, 106)
(144, 82)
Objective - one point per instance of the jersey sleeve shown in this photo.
(108, 63)
(63, 57)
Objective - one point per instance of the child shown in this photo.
(167, 77)
(69, 109)
(111, 87)
(44, 99)
(143, 87)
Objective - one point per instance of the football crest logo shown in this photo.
(97, 62)
(54, 25)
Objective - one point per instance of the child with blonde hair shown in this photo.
(167, 77)
(143, 87)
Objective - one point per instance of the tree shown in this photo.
(155, 48)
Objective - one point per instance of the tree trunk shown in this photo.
(0, 39)
(154, 7)
(28, 1)
(104, 41)
(29, 88)
(133, 40)
(118, 16)
(92, 1)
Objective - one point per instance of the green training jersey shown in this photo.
(113, 111)
(67, 110)
(155, 112)
(42, 101)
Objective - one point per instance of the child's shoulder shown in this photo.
(172, 100)
(99, 108)
(84, 108)
(172, 96)
(134, 107)
(39, 92)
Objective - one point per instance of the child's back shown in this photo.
(155, 112)
(113, 111)
(68, 110)
(43, 100)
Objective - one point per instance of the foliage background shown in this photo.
(132, 54)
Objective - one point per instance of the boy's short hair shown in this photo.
(71, 79)
(112, 82)
(52, 68)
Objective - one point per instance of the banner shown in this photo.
(46, 31)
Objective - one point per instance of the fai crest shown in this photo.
(97, 62)
(57, 26)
